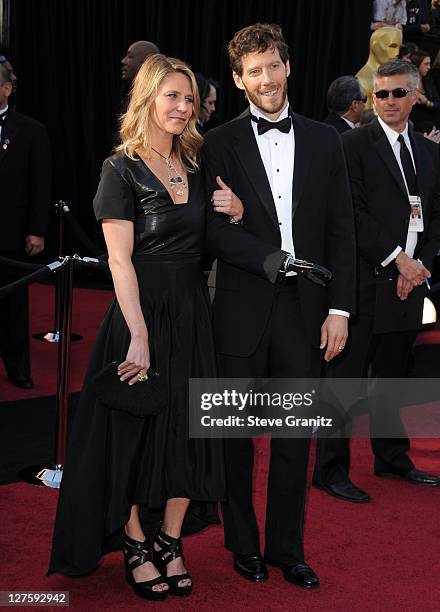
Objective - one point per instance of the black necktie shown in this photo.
(408, 167)
(263, 125)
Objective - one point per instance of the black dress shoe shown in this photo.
(345, 490)
(415, 476)
(300, 574)
(22, 381)
(251, 567)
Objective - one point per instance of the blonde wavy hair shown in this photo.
(135, 123)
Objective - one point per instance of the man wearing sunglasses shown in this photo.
(391, 169)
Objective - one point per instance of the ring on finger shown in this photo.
(142, 377)
(340, 348)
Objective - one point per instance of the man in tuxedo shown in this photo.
(392, 169)
(289, 173)
(345, 102)
(25, 180)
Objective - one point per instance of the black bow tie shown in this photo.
(263, 125)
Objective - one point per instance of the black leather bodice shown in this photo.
(130, 190)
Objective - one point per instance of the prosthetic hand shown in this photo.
(316, 274)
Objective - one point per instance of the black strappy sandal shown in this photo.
(136, 554)
(170, 549)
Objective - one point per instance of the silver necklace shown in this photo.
(175, 179)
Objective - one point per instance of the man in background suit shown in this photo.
(390, 167)
(290, 174)
(7, 64)
(136, 54)
(25, 170)
(345, 102)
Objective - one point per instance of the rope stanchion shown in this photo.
(63, 212)
(17, 263)
(38, 275)
(61, 208)
(50, 475)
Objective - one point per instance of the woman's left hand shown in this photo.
(225, 201)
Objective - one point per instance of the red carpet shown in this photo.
(429, 336)
(382, 556)
(87, 311)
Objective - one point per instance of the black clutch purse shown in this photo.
(142, 399)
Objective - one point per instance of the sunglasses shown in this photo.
(364, 100)
(399, 92)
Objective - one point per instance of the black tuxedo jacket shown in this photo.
(337, 122)
(322, 222)
(25, 179)
(381, 204)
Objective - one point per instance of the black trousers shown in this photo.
(284, 351)
(14, 325)
(383, 356)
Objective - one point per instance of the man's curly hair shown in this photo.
(258, 37)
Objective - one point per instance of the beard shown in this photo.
(266, 105)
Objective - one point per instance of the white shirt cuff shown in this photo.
(391, 257)
(343, 313)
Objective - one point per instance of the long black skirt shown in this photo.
(115, 460)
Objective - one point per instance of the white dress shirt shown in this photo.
(277, 151)
(391, 13)
(1, 113)
(392, 135)
(348, 122)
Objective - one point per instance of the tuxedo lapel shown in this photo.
(9, 131)
(303, 159)
(252, 164)
(422, 169)
(383, 148)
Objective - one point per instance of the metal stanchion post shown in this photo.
(64, 364)
(61, 207)
(50, 475)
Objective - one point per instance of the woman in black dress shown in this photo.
(152, 207)
(426, 111)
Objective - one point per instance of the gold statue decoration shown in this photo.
(384, 46)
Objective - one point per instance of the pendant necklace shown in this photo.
(175, 179)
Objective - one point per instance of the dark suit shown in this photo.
(382, 214)
(263, 329)
(25, 167)
(337, 122)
